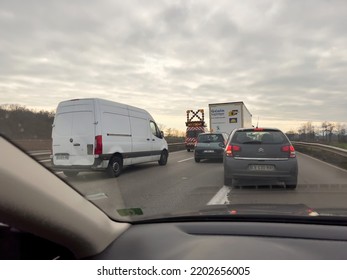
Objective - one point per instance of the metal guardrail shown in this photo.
(328, 148)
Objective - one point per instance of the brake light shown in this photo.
(290, 150)
(232, 148)
(236, 148)
(258, 129)
(98, 145)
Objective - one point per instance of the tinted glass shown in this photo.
(259, 137)
(210, 138)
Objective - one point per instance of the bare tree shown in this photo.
(161, 126)
(324, 127)
(330, 129)
(307, 132)
(341, 132)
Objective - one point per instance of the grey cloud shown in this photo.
(168, 55)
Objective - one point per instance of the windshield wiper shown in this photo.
(252, 142)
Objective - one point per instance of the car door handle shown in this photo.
(148, 139)
(153, 139)
(77, 144)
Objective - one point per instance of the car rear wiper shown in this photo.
(252, 142)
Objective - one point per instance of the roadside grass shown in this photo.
(340, 145)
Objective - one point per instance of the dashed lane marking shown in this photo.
(45, 160)
(221, 197)
(185, 159)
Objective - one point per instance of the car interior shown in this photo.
(42, 217)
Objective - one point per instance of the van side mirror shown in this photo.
(161, 134)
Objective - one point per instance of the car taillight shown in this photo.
(98, 145)
(230, 149)
(290, 150)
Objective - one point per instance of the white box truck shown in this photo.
(225, 117)
(97, 134)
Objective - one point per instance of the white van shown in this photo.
(97, 134)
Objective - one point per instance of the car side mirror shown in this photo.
(162, 134)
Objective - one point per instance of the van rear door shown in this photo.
(74, 135)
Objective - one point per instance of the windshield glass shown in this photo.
(111, 96)
(208, 138)
(259, 137)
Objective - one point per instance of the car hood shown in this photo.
(259, 209)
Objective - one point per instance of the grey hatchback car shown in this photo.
(258, 156)
(210, 146)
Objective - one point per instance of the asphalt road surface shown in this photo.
(185, 186)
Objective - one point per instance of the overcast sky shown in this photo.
(287, 60)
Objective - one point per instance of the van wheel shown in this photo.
(163, 158)
(115, 166)
(70, 174)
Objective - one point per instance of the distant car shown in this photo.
(210, 146)
(258, 156)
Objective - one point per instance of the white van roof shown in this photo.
(102, 102)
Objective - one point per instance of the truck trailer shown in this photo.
(225, 117)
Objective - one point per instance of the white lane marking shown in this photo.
(178, 152)
(45, 160)
(331, 165)
(185, 159)
(221, 197)
(96, 196)
(39, 153)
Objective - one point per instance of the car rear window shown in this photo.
(208, 138)
(259, 137)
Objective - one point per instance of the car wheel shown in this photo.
(197, 159)
(188, 150)
(163, 158)
(291, 184)
(115, 166)
(70, 174)
(228, 182)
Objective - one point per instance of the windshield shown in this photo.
(259, 137)
(111, 96)
(208, 138)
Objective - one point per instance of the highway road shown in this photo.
(183, 186)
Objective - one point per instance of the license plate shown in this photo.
(62, 157)
(261, 167)
(209, 151)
